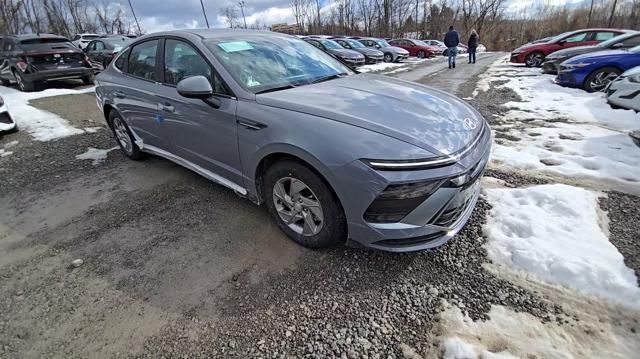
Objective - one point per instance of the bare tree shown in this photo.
(230, 16)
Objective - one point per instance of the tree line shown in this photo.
(64, 17)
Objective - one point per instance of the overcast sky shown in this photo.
(157, 15)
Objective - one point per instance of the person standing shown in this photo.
(473, 45)
(451, 41)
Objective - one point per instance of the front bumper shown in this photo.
(434, 221)
(401, 57)
(58, 74)
(551, 67)
(371, 59)
(6, 122)
(518, 58)
(354, 63)
(568, 79)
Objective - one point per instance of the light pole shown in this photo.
(204, 13)
(135, 18)
(241, 4)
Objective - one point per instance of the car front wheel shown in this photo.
(303, 206)
(534, 59)
(388, 57)
(421, 54)
(599, 79)
(124, 137)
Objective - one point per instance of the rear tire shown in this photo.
(88, 80)
(600, 78)
(421, 54)
(24, 85)
(5, 83)
(295, 192)
(388, 57)
(124, 137)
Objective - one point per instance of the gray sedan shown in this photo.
(333, 154)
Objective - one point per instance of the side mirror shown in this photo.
(195, 87)
(618, 45)
(562, 42)
(378, 46)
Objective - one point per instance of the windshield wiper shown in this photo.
(277, 88)
(330, 77)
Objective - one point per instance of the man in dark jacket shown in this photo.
(473, 46)
(451, 41)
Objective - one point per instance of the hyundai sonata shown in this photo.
(333, 154)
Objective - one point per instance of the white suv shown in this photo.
(82, 40)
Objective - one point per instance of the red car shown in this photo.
(533, 54)
(415, 47)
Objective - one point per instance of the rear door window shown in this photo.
(121, 60)
(99, 45)
(631, 42)
(142, 60)
(604, 35)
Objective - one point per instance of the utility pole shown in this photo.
(417, 37)
(204, 13)
(241, 4)
(135, 18)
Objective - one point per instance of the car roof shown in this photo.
(214, 33)
(36, 36)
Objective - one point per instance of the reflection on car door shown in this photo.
(198, 133)
(136, 96)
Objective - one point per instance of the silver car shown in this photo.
(624, 91)
(333, 154)
(391, 53)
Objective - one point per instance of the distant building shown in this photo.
(286, 28)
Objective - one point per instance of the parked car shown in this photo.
(7, 124)
(34, 59)
(371, 56)
(624, 91)
(82, 40)
(332, 153)
(100, 52)
(533, 55)
(624, 41)
(415, 47)
(442, 48)
(353, 58)
(463, 49)
(391, 53)
(481, 48)
(594, 71)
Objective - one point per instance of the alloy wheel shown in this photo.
(388, 58)
(534, 60)
(297, 206)
(20, 81)
(122, 135)
(601, 80)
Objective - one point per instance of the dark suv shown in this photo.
(31, 60)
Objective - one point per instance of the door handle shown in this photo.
(166, 107)
(119, 94)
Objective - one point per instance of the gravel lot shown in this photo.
(175, 266)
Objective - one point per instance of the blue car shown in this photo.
(595, 70)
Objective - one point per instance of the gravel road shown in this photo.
(175, 266)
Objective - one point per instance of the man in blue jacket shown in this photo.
(451, 41)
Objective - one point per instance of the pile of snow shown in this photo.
(381, 66)
(508, 335)
(563, 131)
(4, 151)
(95, 154)
(552, 232)
(42, 125)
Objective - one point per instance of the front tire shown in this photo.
(388, 57)
(534, 59)
(88, 80)
(599, 79)
(303, 205)
(124, 137)
(421, 54)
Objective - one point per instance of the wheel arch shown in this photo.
(604, 66)
(286, 152)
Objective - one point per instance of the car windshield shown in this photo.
(382, 43)
(117, 42)
(330, 44)
(418, 42)
(614, 40)
(45, 43)
(355, 44)
(261, 64)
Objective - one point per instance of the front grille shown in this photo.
(451, 215)
(407, 242)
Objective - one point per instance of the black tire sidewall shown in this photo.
(587, 82)
(531, 55)
(421, 54)
(334, 227)
(135, 154)
(390, 57)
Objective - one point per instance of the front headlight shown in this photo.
(577, 65)
(390, 165)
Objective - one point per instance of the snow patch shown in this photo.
(42, 125)
(552, 232)
(508, 334)
(95, 154)
(92, 129)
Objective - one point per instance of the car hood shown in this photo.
(368, 51)
(600, 54)
(632, 72)
(573, 51)
(397, 50)
(345, 52)
(406, 111)
(529, 47)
